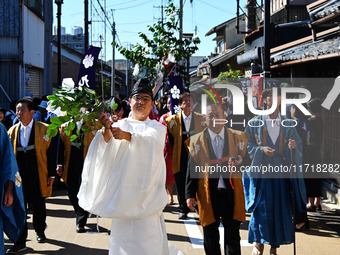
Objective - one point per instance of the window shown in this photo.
(220, 46)
(37, 6)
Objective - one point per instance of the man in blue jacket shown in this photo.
(13, 214)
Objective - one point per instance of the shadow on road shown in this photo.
(65, 249)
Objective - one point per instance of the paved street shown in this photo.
(186, 235)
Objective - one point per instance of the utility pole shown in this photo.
(251, 16)
(181, 20)
(266, 37)
(86, 24)
(59, 3)
(101, 72)
(113, 67)
(162, 16)
(127, 78)
(48, 65)
(180, 15)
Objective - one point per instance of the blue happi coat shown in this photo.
(269, 199)
(13, 217)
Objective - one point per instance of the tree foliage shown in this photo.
(164, 41)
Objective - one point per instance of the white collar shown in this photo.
(29, 125)
(213, 134)
(185, 117)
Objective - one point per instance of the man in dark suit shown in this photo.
(70, 168)
(219, 196)
(180, 127)
(36, 162)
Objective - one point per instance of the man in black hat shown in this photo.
(124, 177)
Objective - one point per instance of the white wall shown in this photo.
(67, 54)
(33, 38)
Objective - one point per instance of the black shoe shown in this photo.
(41, 238)
(182, 216)
(300, 228)
(80, 229)
(318, 208)
(16, 248)
(311, 208)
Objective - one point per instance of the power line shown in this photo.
(103, 11)
(103, 20)
(123, 3)
(218, 8)
(118, 38)
(97, 12)
(134, 6)
(134, 23)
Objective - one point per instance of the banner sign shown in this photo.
(87, 69)
(175, 89)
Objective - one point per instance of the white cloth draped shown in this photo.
(125, 181)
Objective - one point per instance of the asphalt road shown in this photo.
(185, 235)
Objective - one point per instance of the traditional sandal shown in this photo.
(272, 252)
(171, 201)
(257, 251)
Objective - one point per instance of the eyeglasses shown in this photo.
(138, 98)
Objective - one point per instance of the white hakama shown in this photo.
(136, 238)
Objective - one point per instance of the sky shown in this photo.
(133, 16)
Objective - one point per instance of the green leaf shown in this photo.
(56, 120)
(67, 132)
(85, 128)
(114, 106)
(92, 116)
(52, 132)
(73, 138)
(91, 91)
(64, 108)
(51, 97)
(71, 125)
(73, 112)
(64, 118)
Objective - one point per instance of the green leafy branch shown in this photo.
(71, 107)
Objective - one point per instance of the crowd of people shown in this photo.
(113, 175)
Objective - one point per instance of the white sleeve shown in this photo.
(98, 171)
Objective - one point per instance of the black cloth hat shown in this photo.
(142, 86)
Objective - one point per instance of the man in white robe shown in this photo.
(124, 178)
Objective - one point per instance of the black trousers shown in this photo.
(72, 190)
(73, 184)
(223, 213)
(39, 217)
(180, 185)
